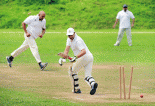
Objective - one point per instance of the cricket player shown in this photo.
(124, 17)
(36, 28)
(83, 58)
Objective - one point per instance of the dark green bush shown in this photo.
(80, 14)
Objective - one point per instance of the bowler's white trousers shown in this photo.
(85, 61)
(121, 33)
(29, 42)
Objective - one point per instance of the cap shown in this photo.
(70, 31)
(125, 6)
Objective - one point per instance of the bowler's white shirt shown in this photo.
(124, 18)
(77, 45)
(34, 25)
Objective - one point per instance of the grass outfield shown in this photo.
(23, 84)
(10, 97)
(100, 44)
(17, 98)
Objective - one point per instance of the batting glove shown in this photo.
(61, 61)
(73, 59)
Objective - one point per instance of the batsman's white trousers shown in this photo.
(121, 33)
(85, 61)
(29, 42)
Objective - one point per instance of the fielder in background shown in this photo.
(83, 58)
(124, 17)
(36, 25)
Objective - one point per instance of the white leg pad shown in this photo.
(90, 81)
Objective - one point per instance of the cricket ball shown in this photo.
(141, 96)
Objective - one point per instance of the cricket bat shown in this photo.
(61, 54)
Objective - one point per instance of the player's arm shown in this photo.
(66, 51)
(133, 21)
(24, 27)
(43, 32)
(28, 20)
(83, 52)
(115, 23)
(43, 29)
(80, 46)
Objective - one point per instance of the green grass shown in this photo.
(100, 44)
(10, 97)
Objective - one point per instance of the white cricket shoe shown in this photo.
(116, 44)
(130, 44)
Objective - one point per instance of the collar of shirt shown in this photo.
(75, 37)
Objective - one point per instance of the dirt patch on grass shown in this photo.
(54, 82)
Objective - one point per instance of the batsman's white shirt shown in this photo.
(124, 18)
(34, 25)
(77, 45)
(86, 60)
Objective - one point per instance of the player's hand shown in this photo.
(28, 35)
(40, 35)
(73, 59)
(65, 56)
(132, 25)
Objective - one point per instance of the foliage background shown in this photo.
(79, 14)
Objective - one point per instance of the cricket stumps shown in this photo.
(124, 91)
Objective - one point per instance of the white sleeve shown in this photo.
(28, 20)
(118, 15)
(68, 43)
(80, 45)
(131, 15)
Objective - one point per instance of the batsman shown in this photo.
(82, 58)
